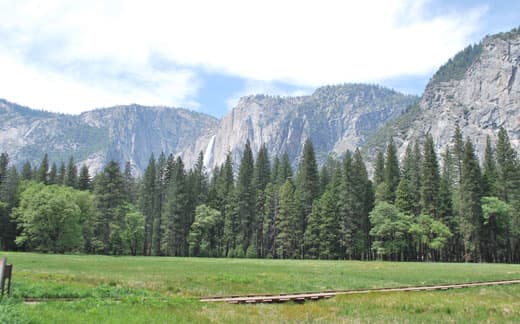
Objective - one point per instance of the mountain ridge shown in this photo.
(478, 89)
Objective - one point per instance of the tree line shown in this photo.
(423, 208)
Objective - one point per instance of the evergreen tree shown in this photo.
(362, 203)
(445, 204)
(130, 182)
(246, 198)
(228, 226)
(71, 177)
(8, 201)
(470, 208)
(53, 174)
(199, 179)
(379, 170)
(458, 155)
(84, 181)
(275, 169)
(262, 171)
(489, 175)
(508, 186)
(286, 240)
(308, 181)
(110, 196)
(404, 199)
(329, 233)
(60, 179)
(270, 215)
(176, 220)
(42, 174)
(4, 162)
(262, 176)
(507, 168)
(392, 175)
(27, 173)
(148, 203)
(159, 203)
(312, 233)
(412, 172)
(430, 179)
(285, 171)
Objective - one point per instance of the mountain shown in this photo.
(335, 118)
(478, 89)
(126, 133)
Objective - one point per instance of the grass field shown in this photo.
(166, 290)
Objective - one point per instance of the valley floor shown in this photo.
(160, 290)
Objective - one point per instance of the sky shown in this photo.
(71, 56)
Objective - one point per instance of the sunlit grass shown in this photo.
(164, 290)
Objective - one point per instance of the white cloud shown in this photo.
(305, 43)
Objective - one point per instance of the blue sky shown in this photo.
(72, 56)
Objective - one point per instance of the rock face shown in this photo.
(126, 133)
(479, 90)
(485, 98)
(335, 118)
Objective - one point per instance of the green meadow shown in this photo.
(106, 289)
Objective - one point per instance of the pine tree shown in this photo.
(363, 204)
(379, 170)
(262, 176)
(130, 182)
(159, 202)
(412, 172)
(53, 174)
(392, 175)
(4, 162)
(246, 198)
(262, 171)
(84, 181)
(458, 154)
(489, 175)
(148, 203)
(329, 230)
(110, 196)
(346, 206)
(8, 201)
(445, 204)
(176, 220)
(286, 235)
(312, 233)
(308, 181)
(199, 181)
(27, 173)
(71, 177)
(43, 170)
(507, 170)
(274, 170)
(285, 171)
(61, 174)
(471, 210)
(228, 226)
(430, 179)
(269, 225)
(404, 199)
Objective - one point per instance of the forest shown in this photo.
(450, 207)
